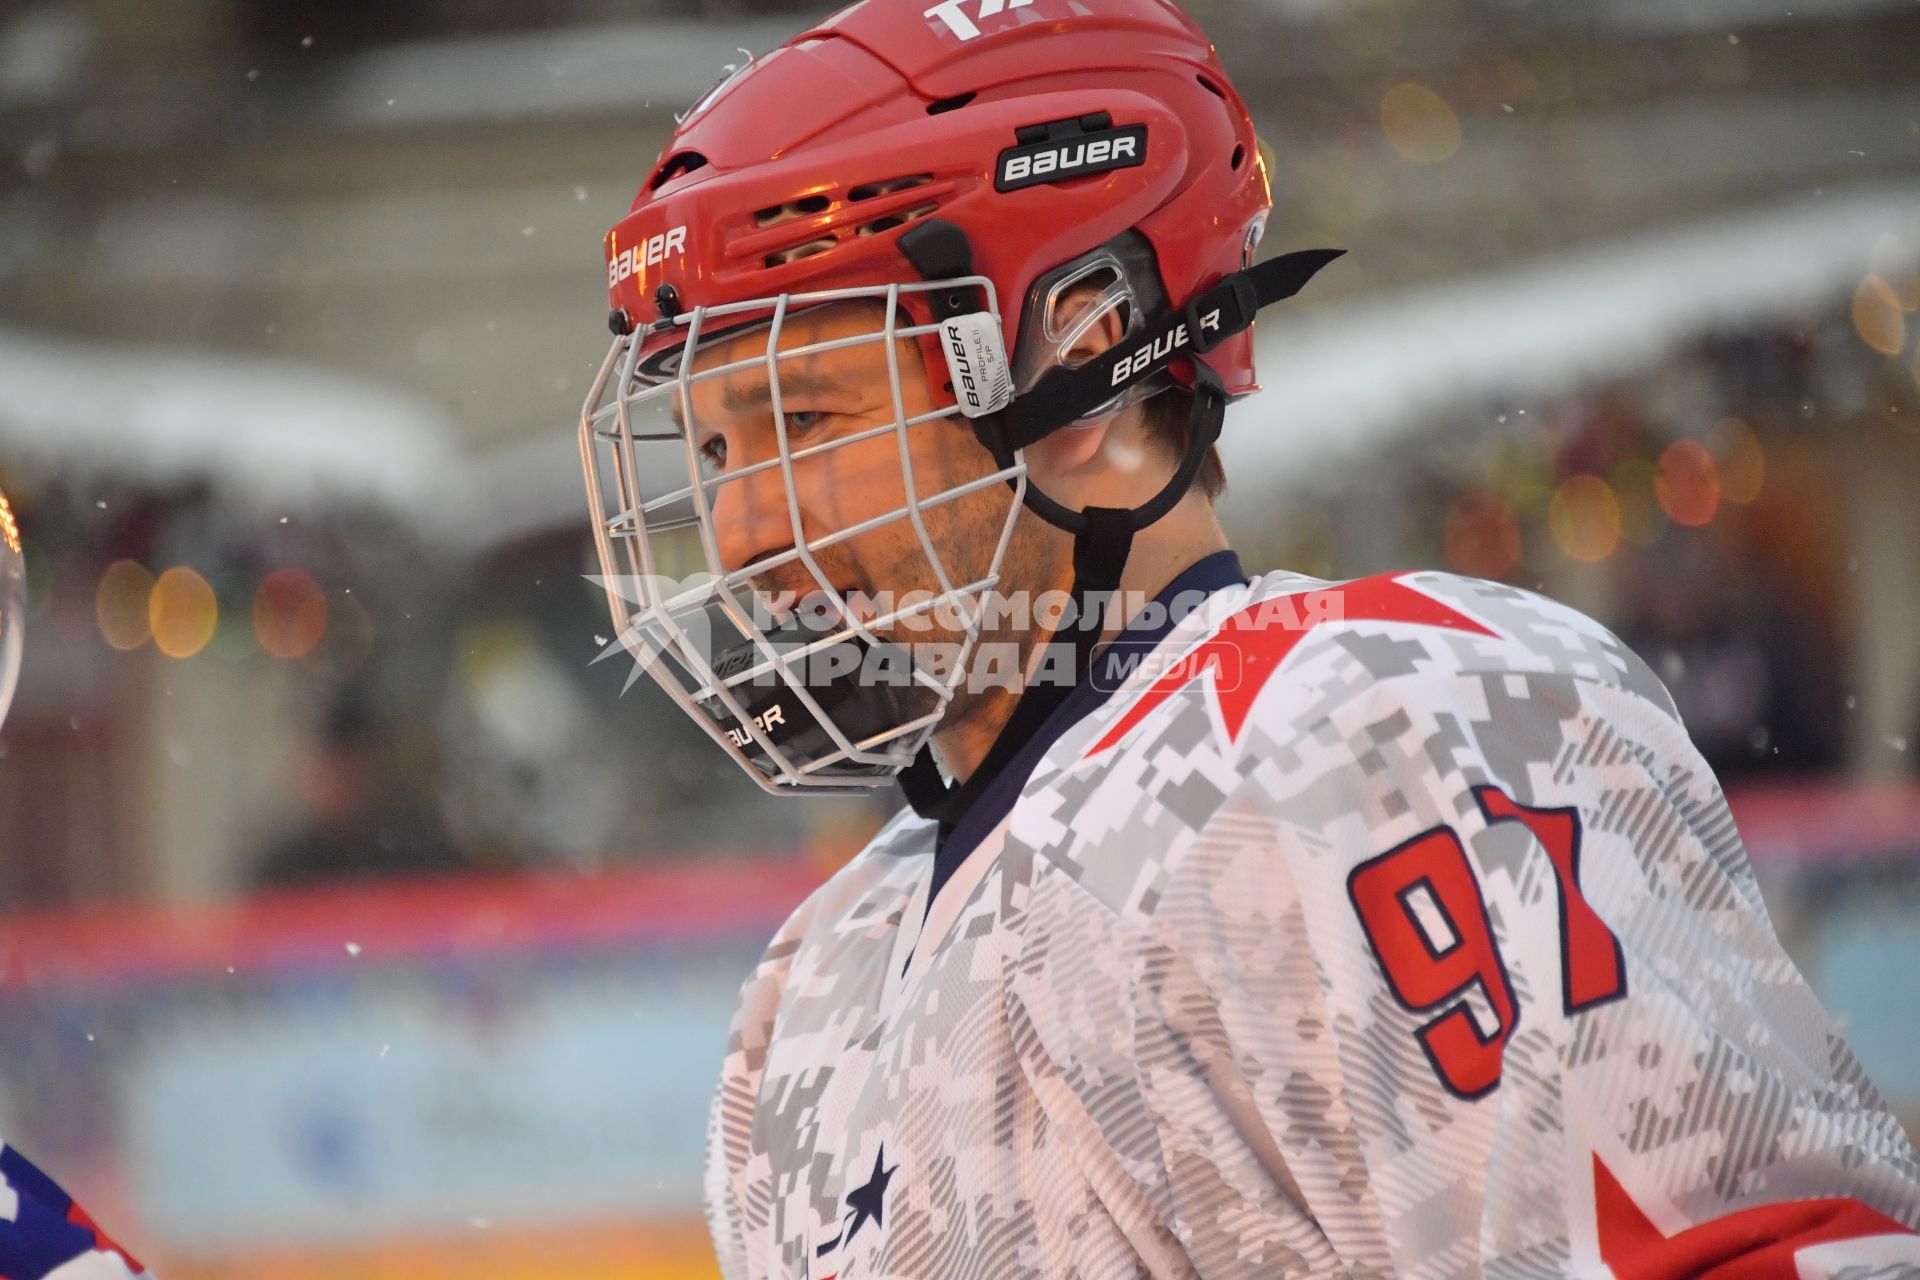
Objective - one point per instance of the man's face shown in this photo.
(838, 396)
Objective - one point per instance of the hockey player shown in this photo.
(1238, 927)
(44, 1235)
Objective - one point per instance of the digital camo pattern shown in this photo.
(1145, 1030)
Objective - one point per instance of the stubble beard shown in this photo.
(1033, 566)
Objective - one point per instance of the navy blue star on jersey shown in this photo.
(863, 1203)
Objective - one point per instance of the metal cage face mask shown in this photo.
(812, 690)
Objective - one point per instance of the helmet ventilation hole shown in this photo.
(1239, 156)
(834, 232)
(811, 248)
(893, 220)
(874, 190)
(1207, 83)
(683, 163)
(954, 103)
(805, 207)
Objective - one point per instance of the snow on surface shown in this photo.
(1355, 378)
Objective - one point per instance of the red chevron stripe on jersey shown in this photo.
(1754, 1244)
(1259, 639)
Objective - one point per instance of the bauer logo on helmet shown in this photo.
(1056, 161)
(650, 252)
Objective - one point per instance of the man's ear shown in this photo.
(1100, 336)
(1066, 451)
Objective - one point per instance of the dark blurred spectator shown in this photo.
(359, 819)
(1741, 668)
(1912, 745)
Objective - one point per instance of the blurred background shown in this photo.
(354, 924)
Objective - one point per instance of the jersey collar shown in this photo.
(1140, 637)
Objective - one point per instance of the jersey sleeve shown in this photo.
(743, 1196)
(1476, 967)
(44, 1235)
(730, 1154)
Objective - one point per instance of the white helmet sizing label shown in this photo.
(977, 360)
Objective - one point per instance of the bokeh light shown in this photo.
(120, 605)
(1419, 123)
(1741, 461)
(1896, 263)
(1878, 318)
(1584, 517)
(1688, 484)
(1482, 536)
(182, 612)
(289, 613)
(1632, 483)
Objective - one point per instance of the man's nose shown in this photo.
(752, 519)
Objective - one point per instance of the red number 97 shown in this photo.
(1428, 925)
(1424, 915)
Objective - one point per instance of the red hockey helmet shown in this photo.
(966, 165)
(1044, 129)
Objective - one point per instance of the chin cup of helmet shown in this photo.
(864, 691)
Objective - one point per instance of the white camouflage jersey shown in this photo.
(1384, 928)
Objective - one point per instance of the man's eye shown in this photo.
(804, 419)
(715, 452)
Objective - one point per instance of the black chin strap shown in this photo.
(1102, 541)
(1102, 536)
(1099, 555)
(1227, 309)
